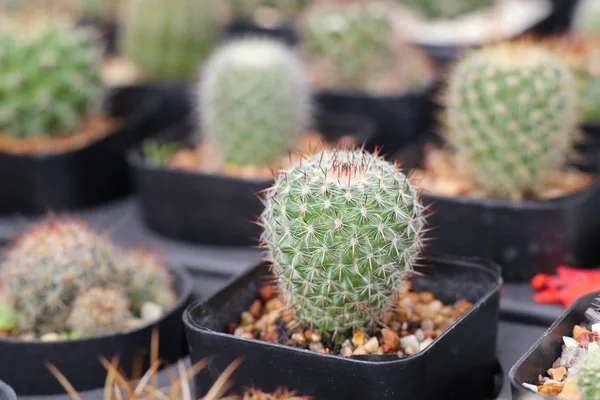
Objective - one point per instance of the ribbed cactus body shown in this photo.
(100, 310)
(50, 80)
(254, 101)
(341, 228)
(169, 39)
(445, 9)
(510, 114)
(588, 376)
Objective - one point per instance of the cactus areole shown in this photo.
(342, 229)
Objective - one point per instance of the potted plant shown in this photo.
(253, 109)
(62, 134)
(343, 233)
(70, 295)
(564, 362)
(502, 175)
(356, 63)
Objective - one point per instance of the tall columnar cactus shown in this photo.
(254, 101)
(588, 376)
(49, 265)
(50, 80)
(445, 9)
(342, 229)
(353, 43)
(169, 39)
(100, 310)
(510, 114)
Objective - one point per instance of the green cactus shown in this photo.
(588, 376)
(511, 115)
(353, 43)
(50, 80)
(167, 39)
(99, 311)
(254, 100)
(342, 229)
(8, 317)
(445, 9)
(49, 265)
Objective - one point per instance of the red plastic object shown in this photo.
(566, 286)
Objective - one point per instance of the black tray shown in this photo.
(23, 362)
(547, 349)
(287, 33)
(214, 209)
(34, 184)
(6, 392)
(460, 364)
(524, 237)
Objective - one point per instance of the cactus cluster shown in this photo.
(588, 376)
(342, 229)
(50, 80)
(168, 40)
(254, 101)
(510, 117)
(53, 266)
(350, 45)
(445, 9)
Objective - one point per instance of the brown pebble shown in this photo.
(231, 327)
(585, 338)
(315, 337)
(298, 338)
(256, 309)
(358, 339)
(578, 330)
(403, 313)
(307, 334)
(270, 337)
(267, 292)
(403, 333)
(550, 388)
(427, 297)
(273, 304)
(360, 350)
(391, 339)
(386, 348)
(414, 297)
(558, 374)
(438, 320)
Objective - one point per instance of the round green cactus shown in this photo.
(588, 376)
(511, 114)
(254, 101)
(50, 80)
(445, 9)
(342, 229)
(167, 40)
(100, 310)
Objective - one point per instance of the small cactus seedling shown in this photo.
(588, 376)
(254, 100)
(342, 229)
(511, 117)
(50, 80)
(169, 39)
(445, 9)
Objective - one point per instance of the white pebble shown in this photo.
(151, 311)
(372, 345)
(570, 342)
(593, 347)
(409, 341)
(423, 345)
(420, 335)
(531, 387)
(596, 328)
(435, 306)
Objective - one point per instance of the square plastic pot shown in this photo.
(547, 349)
(459, 364)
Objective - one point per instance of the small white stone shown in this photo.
(423, 345)
(531, 387)
(570, 342)
(409, 341)
(371, 345)
(593, 347)
(596, 328)
(151, 311)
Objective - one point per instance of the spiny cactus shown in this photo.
(351, 44)
(254, 100)
(167, 39)
(588, 376)
(50, 80)
(342, 229)
(8, 317)
(510, 114)
(49, 265)
(100, 310)
(445, 9)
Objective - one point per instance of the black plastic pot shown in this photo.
(400, 120)
(524, 237)
(545, 351)
(287, 33)
(6, 392)
(214, 209)
(24, 362)
(460, 364)
(34, 184)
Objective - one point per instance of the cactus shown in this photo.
(342, 230)
(100, 310)
(168, 40)
(255, 101)
(586, 17)
(50, 80)
(8, 318)
(445, 9)
(49, 265)
(354, 43)
(588, 376)
(510, 117)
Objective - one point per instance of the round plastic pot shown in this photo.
(214, 209)
(287, 33)
(24, 367)
(547, 349)
(524, 237)
(6, 392)
(400, 120)
(98, 172)
(459, 364)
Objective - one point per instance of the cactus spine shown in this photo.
(254, 100)
(588, 376)
(50, 80)
(511, 113)
(445, 9)
(168, 40)
(342, 229)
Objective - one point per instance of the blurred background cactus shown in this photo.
(445, 9)
(167, 39)
(588, 376)
(586, 17)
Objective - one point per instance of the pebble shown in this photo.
(371, 345)
(419, 335)
(246, 318)
(273, 304)
(133, 322)
(427, 325)
(298, 338)
(409, 341)
(358, 339)
(256, 309)
(26, 336)
(409, 351)
(360, 350)
(391, 339)
(423, 345)
(346, 352)
(435, 306)
(50, 337)
(151, 311)
(316, 346)
(247, 335)
(558, 374)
